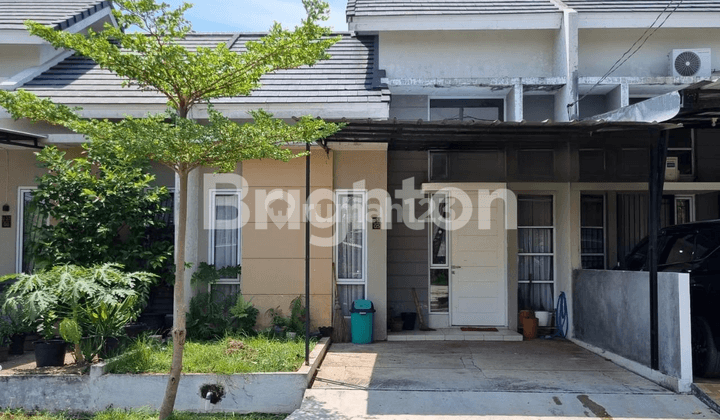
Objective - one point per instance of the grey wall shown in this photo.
(538, 107)
(407, 258)
(707, 155)
(409, 107)
(611, 311)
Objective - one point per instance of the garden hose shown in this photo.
(561, 317)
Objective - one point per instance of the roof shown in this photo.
(447, 7)
(58, 13)
(349, 76)
(615, 6)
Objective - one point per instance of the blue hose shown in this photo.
(561, 317)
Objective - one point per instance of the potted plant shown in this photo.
(87, 301)
(5, 332)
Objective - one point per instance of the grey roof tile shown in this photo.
(349, 73)
(57, 13)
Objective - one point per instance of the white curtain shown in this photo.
(227, 241)
(347, 294)
(352, 237)
(536, 271)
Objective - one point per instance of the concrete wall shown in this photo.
(467, 54)
(600, 48)
(280, 392)
(367, 169)
(16, 58)
(538, 107)
(611, 312)
(409, 107)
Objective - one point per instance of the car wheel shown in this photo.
(704, 353)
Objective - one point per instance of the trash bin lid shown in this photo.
(362, 305)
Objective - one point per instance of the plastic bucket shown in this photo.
(543, 318)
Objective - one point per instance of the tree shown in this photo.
(152, 59)
(111, 198)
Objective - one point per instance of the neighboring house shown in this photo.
(437, 94)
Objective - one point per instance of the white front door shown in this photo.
(479, 262)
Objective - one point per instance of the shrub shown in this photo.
(90, 301)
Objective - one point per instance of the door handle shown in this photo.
(455, 266)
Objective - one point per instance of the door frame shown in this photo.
(429, 188)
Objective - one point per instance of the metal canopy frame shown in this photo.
(18, 138)
(474, 135)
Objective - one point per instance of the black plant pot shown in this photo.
(17, 344)
(50, 353)
(133, 330)
(408, 319)
(110, 347)
(4, 353)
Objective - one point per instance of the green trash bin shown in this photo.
(361, 321)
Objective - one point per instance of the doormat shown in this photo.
(478, 329)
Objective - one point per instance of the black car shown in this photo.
(692, 248)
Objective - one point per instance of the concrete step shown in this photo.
(462, 405)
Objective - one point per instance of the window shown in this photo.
(29, 222)
(439, 247)
(592, 232)
(680, 145)
(536, 247)
(466, 109)
(684, 209)
(224, 242)
(351, 246)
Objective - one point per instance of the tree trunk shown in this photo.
(178, 332)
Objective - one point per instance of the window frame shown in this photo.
(491, 102)
(691, 210)
(20, 226)
(363, 280)
(691, 149)
(213, 193)
(448, 258)
(554, 242)
(604, 229)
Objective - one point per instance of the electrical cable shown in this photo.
(620, 61)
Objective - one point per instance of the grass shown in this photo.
(132, 415)
(227, 356)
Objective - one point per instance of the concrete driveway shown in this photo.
(471, 379)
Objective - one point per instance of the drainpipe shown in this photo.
(307, 254)
(658, 154)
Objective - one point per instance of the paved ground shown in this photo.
(474, 379)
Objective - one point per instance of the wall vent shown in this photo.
(690, 62)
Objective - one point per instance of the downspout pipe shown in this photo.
(307, 254)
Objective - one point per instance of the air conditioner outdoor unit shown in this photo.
(672, 172)
(690, 62)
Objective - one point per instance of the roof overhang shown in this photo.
(658, 109)
(453, 135)
(697, 106)
(20, 139)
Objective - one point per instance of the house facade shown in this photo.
(465, 111)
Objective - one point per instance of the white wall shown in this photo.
(467, 54)
(16, 58)
(600, 48)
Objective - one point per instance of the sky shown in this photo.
(254, 15)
